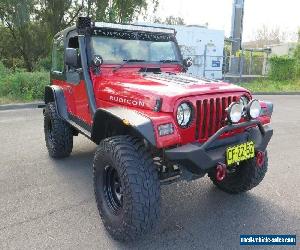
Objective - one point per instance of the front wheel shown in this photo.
(127, 187)
(243, 177)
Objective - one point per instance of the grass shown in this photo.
(6, 100)
(13, 100)
(266, 85)
(22, 86)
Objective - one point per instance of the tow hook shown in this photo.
(260, 158)
(221, 171)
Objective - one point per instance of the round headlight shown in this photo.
(244, 100)
(235, 112)
(253, 109)
(184, 114)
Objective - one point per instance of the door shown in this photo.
(76, 87)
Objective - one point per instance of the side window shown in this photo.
(72, 75)
(73, 43)
(58, 56)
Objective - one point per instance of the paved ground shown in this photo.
(50, 204)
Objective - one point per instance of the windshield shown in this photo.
(118, 50)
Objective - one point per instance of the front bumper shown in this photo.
(198, 158)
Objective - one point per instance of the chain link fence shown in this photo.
(245, 66)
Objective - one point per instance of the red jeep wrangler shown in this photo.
(125, 88)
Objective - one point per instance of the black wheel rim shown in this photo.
(113, 190)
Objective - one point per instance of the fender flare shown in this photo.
(56, 94)
(135, 121)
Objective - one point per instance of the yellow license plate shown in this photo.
(240, 153)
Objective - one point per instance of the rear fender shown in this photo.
(55, 94)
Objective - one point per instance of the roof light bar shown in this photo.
(133, 27)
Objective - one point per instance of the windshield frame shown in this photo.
(136, 35)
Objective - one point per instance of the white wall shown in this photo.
(282, 49)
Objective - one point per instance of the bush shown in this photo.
(298, 70)
(282, 68)
(23, 86)
(43, 64)
(297, 53)
(297, 57)
(3, 70)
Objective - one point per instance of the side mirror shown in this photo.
(96, 64)
(72, 57)
(97, 60)
(188, 62)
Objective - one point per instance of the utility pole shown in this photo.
(237, 25)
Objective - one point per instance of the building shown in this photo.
(282, 49)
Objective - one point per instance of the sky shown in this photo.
(217, 13)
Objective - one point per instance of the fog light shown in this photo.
(165, 129)
(253, 109)
(234, 112)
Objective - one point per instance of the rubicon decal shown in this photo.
(127, 101)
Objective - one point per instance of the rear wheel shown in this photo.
(243, 177)
(58, 133)
(127, 187)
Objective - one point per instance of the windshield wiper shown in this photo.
(126, 61)
(168, 61)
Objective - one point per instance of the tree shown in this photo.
(171, 20)
(174, 20)
(265, 36)
(9, 53)
(28, 26)
(121, 11)
(58, 14)
(16, 17)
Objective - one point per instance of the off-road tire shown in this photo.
(58, 133)
(247, 176)
(141, 187)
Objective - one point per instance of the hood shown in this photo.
(145, 90)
